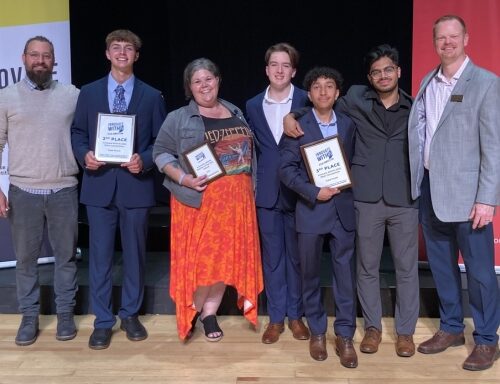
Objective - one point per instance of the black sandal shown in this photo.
(211, 326)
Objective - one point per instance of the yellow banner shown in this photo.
(22, 12)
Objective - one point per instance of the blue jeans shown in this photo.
(28, 215)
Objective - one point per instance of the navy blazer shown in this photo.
(311, 215)
(269, 187)
(99, 187)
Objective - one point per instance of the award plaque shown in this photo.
(114, 138)
(202, 160)
(326, 164)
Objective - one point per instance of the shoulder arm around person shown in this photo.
(299, 112)
(291, 127)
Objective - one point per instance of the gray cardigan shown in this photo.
(182, 130)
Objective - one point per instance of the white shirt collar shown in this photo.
(456, 76)
(269, 100)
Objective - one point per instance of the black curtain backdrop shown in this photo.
(235, 35)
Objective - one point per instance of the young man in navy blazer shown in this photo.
(275, 202)
(324, 213)
(117, 195)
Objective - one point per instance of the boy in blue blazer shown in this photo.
(275, 202)
(117, 195)
(324, 213)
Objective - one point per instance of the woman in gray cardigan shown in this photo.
(214, 235)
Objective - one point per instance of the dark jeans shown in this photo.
(443, 240)
(28, 215)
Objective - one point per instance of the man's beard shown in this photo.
(386, 90)
(39, 77)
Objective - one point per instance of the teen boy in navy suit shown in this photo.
(324, 213)
(117, 195)
(275, 202)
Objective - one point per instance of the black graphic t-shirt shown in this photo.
(232, 142)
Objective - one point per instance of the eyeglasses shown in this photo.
(37, 55)
(377, 73)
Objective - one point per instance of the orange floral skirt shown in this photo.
(217, 242)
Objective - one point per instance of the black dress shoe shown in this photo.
(135, 330)
(100, 338)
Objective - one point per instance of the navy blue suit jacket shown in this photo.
(311, 215)
(99, 187)
(269, 187)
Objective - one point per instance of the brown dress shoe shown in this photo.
(482, 357)
(405, 347)
(272, 333)
(345, 350)
(441, 341)
(317, 347)
(371, 340)
(299, 329)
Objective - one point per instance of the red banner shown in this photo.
(482, 20)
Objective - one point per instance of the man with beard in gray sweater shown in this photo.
(35, 121)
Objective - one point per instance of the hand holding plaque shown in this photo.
(202, 160)
(326, 163)
(114, 138)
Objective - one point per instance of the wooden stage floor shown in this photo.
(239, 358)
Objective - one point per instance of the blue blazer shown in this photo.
(311, 215)
(99, 187)
(269, 187)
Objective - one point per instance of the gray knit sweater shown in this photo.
(37, 127)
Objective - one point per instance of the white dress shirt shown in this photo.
(437, 95)
(275, 111)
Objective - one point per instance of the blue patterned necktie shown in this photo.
(119, 103)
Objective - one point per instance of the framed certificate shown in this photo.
(114, 138)
(326, 164)
(202, 160)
